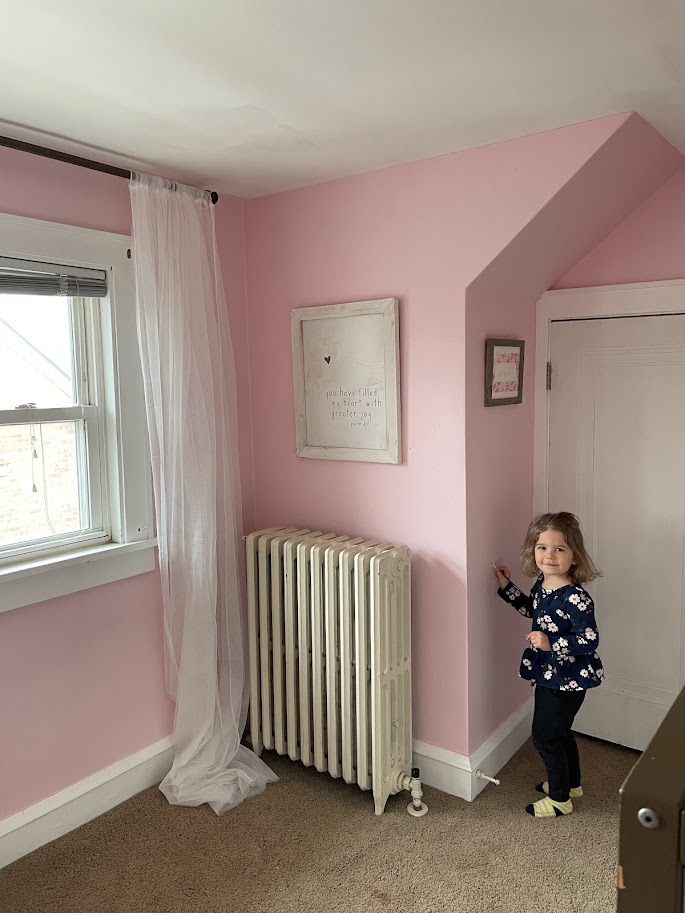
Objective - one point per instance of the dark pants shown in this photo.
(553, 740)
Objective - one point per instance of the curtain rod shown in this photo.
(21, 146)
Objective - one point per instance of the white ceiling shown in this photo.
(253, 96)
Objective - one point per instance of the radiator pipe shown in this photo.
(481, 776)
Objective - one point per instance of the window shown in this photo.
(52, 464)
(75, 489)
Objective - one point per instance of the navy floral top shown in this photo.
(567, 617)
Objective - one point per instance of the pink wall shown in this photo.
(379, 235)
(420, 232)
(615, 180)
(81, 677)
(82, 681)
(43, 189)
(649, 246)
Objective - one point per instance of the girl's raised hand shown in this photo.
(502, 574)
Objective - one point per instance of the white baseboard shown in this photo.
(70, 808)
(455, 773)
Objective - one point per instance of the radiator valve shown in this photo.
(416, 807)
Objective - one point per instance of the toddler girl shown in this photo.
(561, 659)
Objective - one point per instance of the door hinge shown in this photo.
(548, 379)
(682, 838)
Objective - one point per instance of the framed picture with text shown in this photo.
(346, 381)
(504, 371)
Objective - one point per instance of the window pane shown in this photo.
(36, 344)
(39, 481)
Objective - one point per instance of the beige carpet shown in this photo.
(310, 843)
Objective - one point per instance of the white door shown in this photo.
(617, 460)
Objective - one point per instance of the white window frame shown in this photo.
(127, 481)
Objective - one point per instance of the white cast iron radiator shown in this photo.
(330, 657)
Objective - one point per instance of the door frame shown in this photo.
(647, 299)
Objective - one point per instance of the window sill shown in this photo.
(47, 578)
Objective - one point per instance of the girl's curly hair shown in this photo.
(583, 569)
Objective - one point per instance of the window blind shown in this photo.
(27, 277)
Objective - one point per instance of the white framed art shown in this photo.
(346, 380)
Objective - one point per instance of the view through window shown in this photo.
(49, 458)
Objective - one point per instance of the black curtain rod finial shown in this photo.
(214, 196)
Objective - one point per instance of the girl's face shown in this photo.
(552, 554)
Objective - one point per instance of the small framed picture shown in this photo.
(504, 371)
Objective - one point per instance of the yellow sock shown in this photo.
(549, 808)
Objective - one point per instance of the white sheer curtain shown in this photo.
(190, 391)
